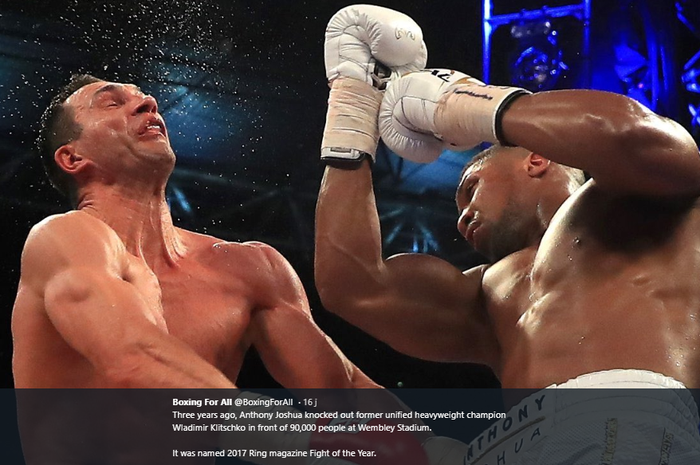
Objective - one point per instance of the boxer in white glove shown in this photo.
(425, 112)
(365, 46)
(572, 261)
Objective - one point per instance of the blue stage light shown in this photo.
(539, 63)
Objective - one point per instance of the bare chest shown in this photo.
(205, 309)
(210, 313)
(600, 239)
(612, 285)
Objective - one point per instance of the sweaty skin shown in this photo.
(114, 295)
(211, 306)
(582, 279)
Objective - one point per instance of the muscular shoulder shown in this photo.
(69, 239)
(217, 253)
(250, 256)
(73, 231)
(269, 273)
(267, 264)
(71, 219)
(266, 271)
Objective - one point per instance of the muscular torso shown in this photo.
(206, 301)
(613, 284)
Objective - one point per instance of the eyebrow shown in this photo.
(113, 87)
(463, 180)
(463, 183)
(460, 187)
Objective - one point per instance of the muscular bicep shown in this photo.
(77, 269)
(100, 315)
(634, 150)
(424, 307)
(71, 264)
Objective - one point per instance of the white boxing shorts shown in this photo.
(616, 417)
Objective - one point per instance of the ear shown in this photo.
(536, 165)
(68, 159)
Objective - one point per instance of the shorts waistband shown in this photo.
(636, 383)
(621, 378)
(597, 393)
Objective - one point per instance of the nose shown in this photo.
(147, 105)
(464, 219)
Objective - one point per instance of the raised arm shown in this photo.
(74, 269)
(418, 304)
(623, 145)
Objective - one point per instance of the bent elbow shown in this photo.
(660, 155)
(350, 303)
(335, 288)
(349, 287)
(670, 153)
(334, 298)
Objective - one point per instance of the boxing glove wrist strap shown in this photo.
(470, 109)
(351, 131)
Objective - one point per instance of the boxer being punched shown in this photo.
(114, 295)
(590, 284)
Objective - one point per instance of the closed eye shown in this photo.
(109, 97)
(112, 102)
(469, 191)
(464, 196)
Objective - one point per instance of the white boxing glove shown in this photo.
(359, 37)
(365, 46)
(426, 112)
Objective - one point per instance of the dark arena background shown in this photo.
(242, 87)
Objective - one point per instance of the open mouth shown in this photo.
(153, 127)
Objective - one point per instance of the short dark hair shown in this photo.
(479, 157)
(58, 127)
(576, 175)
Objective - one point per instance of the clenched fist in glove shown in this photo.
(425, 112)
(365, 46)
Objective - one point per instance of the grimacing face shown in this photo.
(121, 128)
(491, 217)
